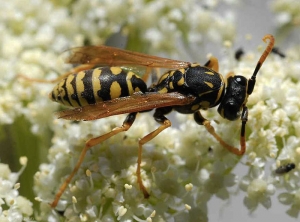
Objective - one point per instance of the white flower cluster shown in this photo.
(273, 127)
(31, 34)
(13, 207)
(159, 24)
(182, 167)
(287, 12)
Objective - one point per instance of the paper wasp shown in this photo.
(187, 88)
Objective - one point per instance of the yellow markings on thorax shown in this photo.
(209, 73)
(115, 70)
(221, 89)
(80, 87)
(96, 83)
(115, 90)
(205, 104)
(195, 107)
(220, 92)
(194, 65)
(207, 92)
(209, 84)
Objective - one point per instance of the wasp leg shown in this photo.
(213, 64)
(252, 80)
(165, 123)
(147, 74)
(244, 118)
(89, 144)
(74, 70)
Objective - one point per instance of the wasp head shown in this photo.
(235, 97)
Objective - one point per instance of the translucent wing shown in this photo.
(110, 56)
(134, 103)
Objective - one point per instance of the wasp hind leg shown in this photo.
(165, 123)
(89, 144)
(244, 118)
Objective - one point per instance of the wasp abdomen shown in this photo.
(96, 85)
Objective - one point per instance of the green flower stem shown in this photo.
(24, 143)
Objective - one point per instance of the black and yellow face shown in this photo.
(235, 97)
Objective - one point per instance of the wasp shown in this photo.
(108, 90)
(285, 168)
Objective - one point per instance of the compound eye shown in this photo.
(241, 80)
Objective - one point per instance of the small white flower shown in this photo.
(18, 208)
(293, 199)
(287, 12)
(259, 191)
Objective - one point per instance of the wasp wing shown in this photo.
(111, 56)
(135, 103)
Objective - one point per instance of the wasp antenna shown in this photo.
(265, 53)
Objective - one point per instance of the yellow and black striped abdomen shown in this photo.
(95, 85)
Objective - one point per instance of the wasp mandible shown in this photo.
(187, 88)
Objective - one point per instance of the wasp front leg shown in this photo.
(244, 118)
(159, 116)
(89, 144)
